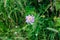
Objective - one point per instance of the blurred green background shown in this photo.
(45, 27)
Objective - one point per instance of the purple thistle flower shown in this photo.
(30, 19)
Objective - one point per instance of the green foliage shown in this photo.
(57, 5)
(13, 24)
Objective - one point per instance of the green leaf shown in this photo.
(58, 21)
(57, 5)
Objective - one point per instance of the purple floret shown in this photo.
(30, 19)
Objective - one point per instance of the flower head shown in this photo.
(30, 19)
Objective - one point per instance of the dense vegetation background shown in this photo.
(13, 24)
